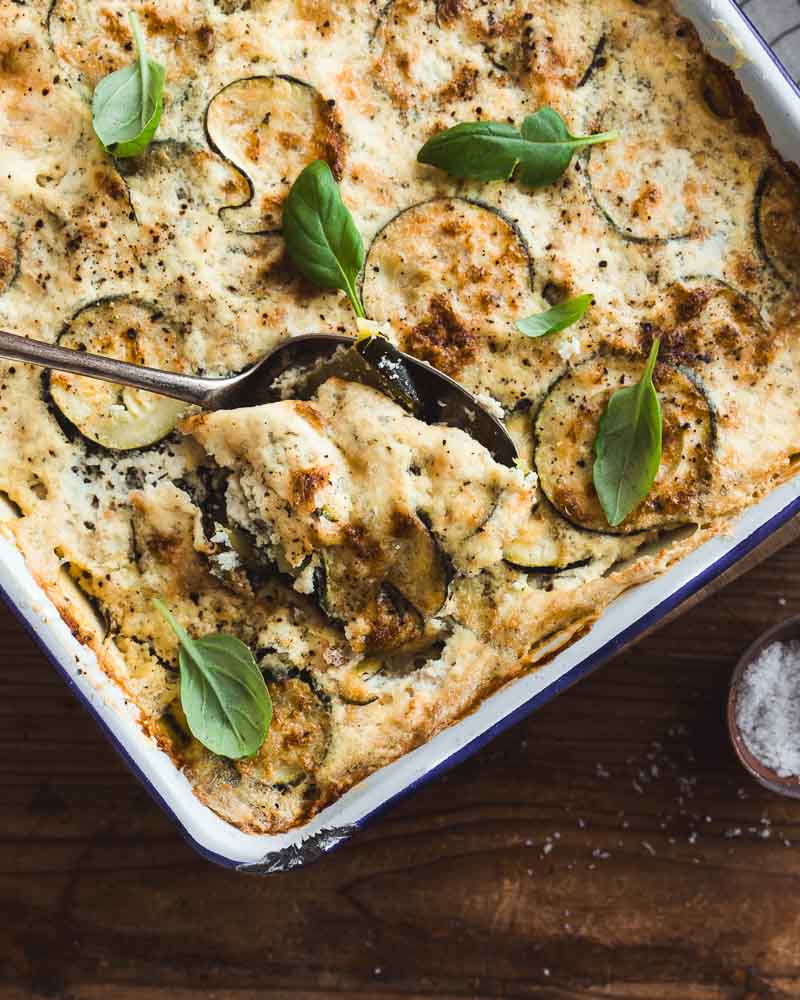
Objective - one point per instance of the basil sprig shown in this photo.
(127, 104)
(322, 239)
(223, 694)
(556, 319)
(628, 445)
(538, 153)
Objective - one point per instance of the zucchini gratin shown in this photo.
(385, 572)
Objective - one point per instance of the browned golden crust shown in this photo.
(441, 338)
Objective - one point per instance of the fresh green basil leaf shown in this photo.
(556, 319)
(127, 104)
(321, 237)
(223, 693)
(539, 153)
(481, 151)
(628, 446)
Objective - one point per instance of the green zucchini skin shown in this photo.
(615, 224)
(390, 588)
(776, 220)
(268, 178)
(599, 60)
(566, 426)
(535, 570)
(393, 376)
(112, 417)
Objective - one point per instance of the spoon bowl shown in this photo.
(784, 631)
(445, 400)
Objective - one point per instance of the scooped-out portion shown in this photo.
(369, 510)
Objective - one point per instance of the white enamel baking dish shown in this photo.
(730, 37)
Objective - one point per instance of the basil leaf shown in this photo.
(223, 694)
(127, 104)
(493, 151)
(322, 239)
(628, 445)
(482, 151)
(556, 319)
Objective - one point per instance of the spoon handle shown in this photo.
(188, 388)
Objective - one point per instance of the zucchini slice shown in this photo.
(384, 589)
(447, 274)
(777, 222)
(644, 196)
(562, 40)
(723, 96)
(112, 416)
(269, 128)
(299, 735)
(360, 682)
(566, 427)
(706, 321)
(721, 92)
(373, 362)
(416, 62)
(547, 545)
(178, 179)
(436, 53)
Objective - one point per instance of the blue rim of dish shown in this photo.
(756, 33)
(566, 680)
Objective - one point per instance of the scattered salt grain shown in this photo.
(768, 708)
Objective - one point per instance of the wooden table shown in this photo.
(609, 846)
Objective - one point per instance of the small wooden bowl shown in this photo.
(784, 631)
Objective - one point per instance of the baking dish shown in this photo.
(729, 36)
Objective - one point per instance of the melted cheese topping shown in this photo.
(683, 228)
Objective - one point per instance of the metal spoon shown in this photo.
(446, 401)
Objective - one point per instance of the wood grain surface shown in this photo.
(609, 846)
